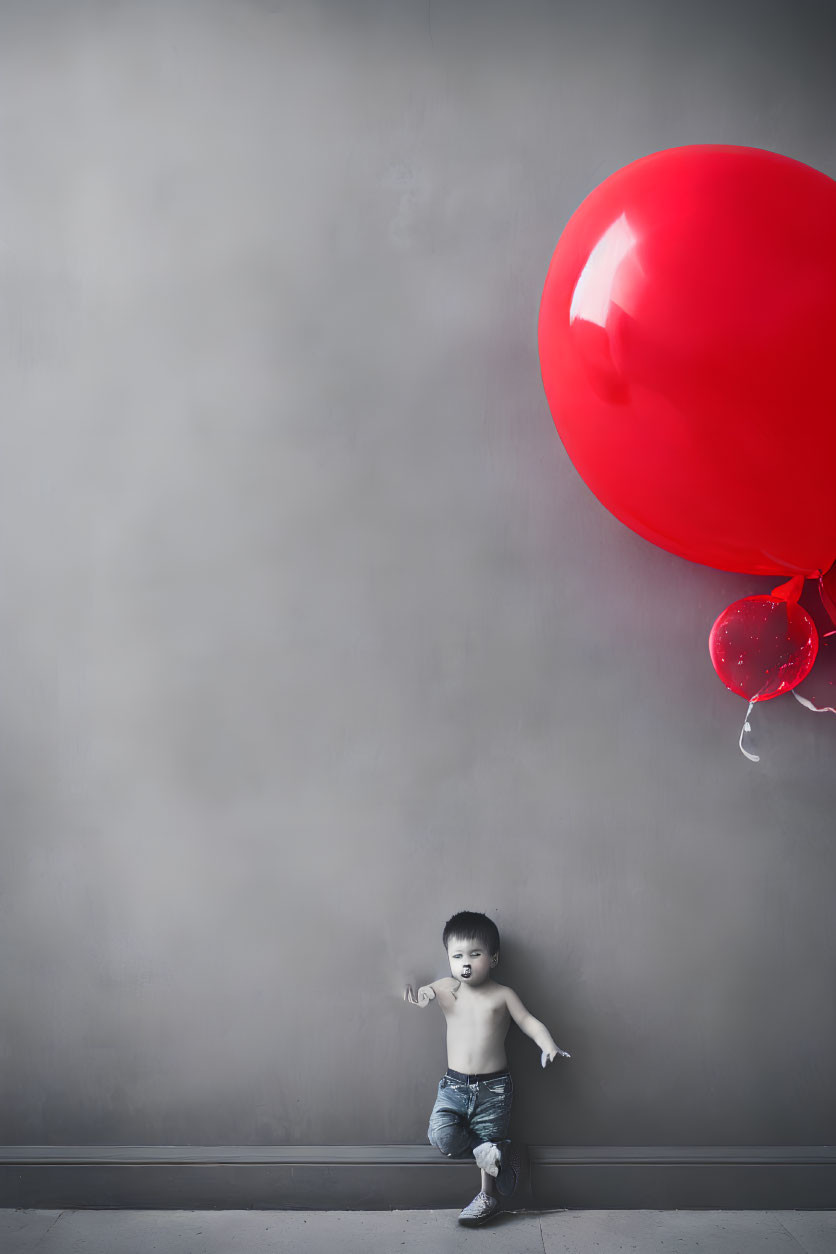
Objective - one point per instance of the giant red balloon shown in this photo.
(687, 338)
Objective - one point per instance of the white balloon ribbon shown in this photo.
(747, 727)
(808, 705)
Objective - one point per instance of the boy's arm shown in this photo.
(427, 992)
(532, 1027)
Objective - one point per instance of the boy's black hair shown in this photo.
(471, 925)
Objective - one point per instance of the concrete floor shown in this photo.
(415, 1232)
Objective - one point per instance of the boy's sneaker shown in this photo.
(482, 1207)
(510, 1168)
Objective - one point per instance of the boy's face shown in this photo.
(470, 962)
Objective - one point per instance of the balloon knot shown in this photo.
(789, 591)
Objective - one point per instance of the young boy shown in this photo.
(473, 1108)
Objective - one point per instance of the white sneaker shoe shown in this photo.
(482, 1207)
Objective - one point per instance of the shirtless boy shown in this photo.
(472, 1111)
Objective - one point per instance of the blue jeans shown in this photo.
(470, 1110)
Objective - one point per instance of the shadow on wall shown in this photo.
(545, 991)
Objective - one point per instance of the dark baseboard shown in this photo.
(406, 1177)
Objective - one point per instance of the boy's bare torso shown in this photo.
(477, 1024)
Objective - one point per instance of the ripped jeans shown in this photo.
(470, 1110)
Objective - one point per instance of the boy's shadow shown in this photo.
(550, 1001)
(508, 1217)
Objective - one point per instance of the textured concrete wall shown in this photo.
(311, 633)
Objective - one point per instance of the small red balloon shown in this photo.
(762, 646)
(686, 337)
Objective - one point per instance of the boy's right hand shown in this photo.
(426, 994)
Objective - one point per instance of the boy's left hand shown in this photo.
(549, 1055)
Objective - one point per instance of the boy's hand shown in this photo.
(549, 1055)
(426, 994)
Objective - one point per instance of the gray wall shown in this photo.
(311, 633)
